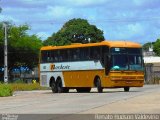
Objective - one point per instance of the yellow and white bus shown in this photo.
(107, 64)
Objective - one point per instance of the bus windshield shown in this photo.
(126, 59)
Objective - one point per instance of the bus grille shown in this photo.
(44, 80)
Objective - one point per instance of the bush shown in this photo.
(5, 90)
(18, 81)
(155, 80)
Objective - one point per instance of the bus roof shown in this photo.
(127, 44)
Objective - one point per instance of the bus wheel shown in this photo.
(98, 85)
(59, 86)
(126, 89)
(54, 87)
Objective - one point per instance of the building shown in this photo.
(152, 66)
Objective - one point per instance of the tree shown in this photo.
(147, 45)
(156, 47)
(75, 31)
(50, 40)
(23, 49)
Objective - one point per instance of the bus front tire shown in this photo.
(126, 89)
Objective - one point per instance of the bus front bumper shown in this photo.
(130, 81)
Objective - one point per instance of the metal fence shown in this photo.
(152, 74)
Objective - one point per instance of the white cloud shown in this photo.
(59, 11)
(139, 2)
(135, 29)
(118, 19)
(122, 31)
(87, 2)
(8, 18)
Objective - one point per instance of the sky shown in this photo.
(128, 20)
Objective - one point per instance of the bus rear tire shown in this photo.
(126, 89)
(54, 87)
(98, 85)
(59, 86)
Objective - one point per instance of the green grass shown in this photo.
(8, 89)
(26, 87)
(5, 90)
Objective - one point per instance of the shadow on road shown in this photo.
(93, 92)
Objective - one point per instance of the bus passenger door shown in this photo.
(107, 64)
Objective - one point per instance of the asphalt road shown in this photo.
(139, 100)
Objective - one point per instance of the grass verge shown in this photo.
(8, 89)
(5, 90)
(26, 87)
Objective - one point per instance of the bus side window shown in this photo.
(85, 54)
(51, 56)
(43, 56)
(56, 56)
(48, 56)
(63, 55)
(60, 59)
(95, 53)
(76, 54)
(69, 55)
(105, 50)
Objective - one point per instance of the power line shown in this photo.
(137, 19)
(128, 19)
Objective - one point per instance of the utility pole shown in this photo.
(5, 54)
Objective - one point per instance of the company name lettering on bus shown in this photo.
(59, 67)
